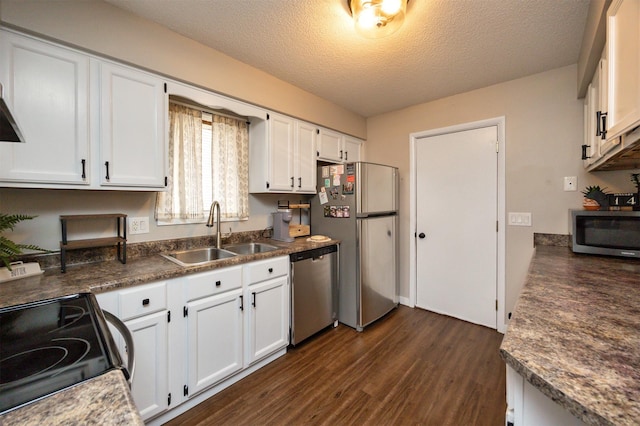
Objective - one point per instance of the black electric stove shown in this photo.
(50, 345)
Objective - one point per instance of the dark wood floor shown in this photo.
(412, 367)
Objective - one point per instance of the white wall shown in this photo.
(48, 205)
(543, 129)
(100, 28)
(543, 137)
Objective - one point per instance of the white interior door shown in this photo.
(456, 222)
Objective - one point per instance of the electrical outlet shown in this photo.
(519, 219)
(570, 183)
(139, 225)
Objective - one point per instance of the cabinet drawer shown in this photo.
(266, 269)
(143, 300)
(213, 282)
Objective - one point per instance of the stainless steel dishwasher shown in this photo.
(314, 295)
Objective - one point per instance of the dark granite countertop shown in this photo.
(105, 399)
(100, 277)
(575, 334)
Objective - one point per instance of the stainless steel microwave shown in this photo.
(611, 233)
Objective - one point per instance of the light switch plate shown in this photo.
(519, 219)
(138, 225)
(570, 183)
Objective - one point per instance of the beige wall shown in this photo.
(104, 29)
(543, 129)
(543, 138)
(100, 28)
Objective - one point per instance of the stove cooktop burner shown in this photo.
(48, 346)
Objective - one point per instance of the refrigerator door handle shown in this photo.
(376, 214)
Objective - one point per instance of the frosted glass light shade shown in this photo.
(377, 18)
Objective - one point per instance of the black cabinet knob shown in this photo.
(421, 235)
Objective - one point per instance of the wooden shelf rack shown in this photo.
(119, 240)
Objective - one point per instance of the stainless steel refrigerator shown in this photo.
(358, 204)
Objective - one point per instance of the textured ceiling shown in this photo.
(445, 46)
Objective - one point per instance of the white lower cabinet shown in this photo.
(150, 385)
(214, 335)
(197, 334)
(267, 298)
(527, 406)
(268, 323)
(143, 310)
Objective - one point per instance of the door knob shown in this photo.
(421, 235)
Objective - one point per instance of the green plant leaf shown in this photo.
(8, 248)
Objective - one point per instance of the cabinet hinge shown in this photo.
(496, 304)
(317, 131)
(185, 390)
(165, 88)
(168, 316)
(267, 116)
(185, 312)
(267, 185)
(317, 153)
(169, 399)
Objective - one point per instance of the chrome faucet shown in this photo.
(215, 205)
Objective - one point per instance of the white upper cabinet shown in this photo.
(47, 90)
(595, 104)
(335, 147)
(352, 149)
(133, 114)
(282, 157)
(304, 158)
(81, 115)
(623, 48)
(330, 146)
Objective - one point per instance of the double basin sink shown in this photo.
(204, 255)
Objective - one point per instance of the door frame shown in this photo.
(501, 208)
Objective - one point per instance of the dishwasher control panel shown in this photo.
(317, 252)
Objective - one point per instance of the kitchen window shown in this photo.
(208, 161)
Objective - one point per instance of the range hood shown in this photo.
(9, 131)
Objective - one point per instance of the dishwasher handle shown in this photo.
(314, 253)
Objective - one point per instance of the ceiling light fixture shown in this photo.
(377, 18)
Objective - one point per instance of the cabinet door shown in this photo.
(47, 90)
(590, 141)
(305, 158)
(352, 148)
(281, 155)
(623, 41)
(268, 326)
(150, 385)
(330, 146)
(214, 339)
(133, 143)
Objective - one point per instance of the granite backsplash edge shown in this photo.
(142, 249)
(554, 240)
